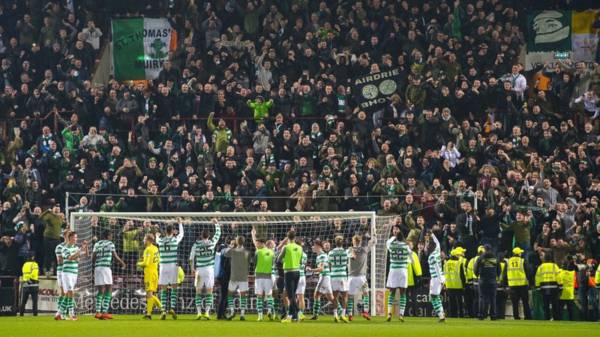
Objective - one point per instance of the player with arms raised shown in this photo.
(400, 257)
(358, 275)
(437, 277)
(71, 255)
(265, 258)
(150, 265)
(167, 274)
(102, 254)
(202, 260)
(324, 284)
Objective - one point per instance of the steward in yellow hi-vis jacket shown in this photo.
(518, 284)
(472, 286)
(568, 275)
(455, 281)
(30, 285)
(547, 281)
(414, 281)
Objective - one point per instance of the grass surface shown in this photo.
(133, 326)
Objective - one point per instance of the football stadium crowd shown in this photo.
(254, 111)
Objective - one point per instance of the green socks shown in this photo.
(351, 305)
(208, 303)
(163, 299)
(173, 299)
(99, 302)
(270, 307)
(317, 307)
(106, 302)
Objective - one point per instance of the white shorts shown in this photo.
(241, 286)
(339, 285)
(274, 280)
(103, 276)
(397, 278)
(167, 274)
(59, 279)
(263, 286)
(356, 284)
(435, 286)
(205, 278)
(324, 285)
(301, 285)
(69, 281)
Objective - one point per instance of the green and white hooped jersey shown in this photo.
(303, 264)
(103, 250)
(435, 260)
(203, 251)
(58, 253)
(323, 258)
(338, 260)
(435, 264)
(70, 266)
(167, 247)
(400, 254)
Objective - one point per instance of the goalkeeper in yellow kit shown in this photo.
(150, 265)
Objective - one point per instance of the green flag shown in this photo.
(140, 47)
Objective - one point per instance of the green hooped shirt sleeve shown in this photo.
(292, 257)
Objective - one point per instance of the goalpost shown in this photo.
(128, 230)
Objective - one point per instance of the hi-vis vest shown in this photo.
(414, 269)
(452, 274)
(567, 278)
(30, 273)
(516, 272)
(547, 276)
(470, 274)
(597, 277)
(500, 278)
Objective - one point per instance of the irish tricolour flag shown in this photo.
(140, 47)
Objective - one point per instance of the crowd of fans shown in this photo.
(255, 112)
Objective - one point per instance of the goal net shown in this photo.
(129, 229)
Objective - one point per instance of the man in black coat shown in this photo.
(467, 223)
(487, 268)
(224, 266)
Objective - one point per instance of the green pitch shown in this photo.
(133, 326)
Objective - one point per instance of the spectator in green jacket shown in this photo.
(306, 101)
(72, 137)
(416, 94)
(54, 222)
(521, 228)
(221, 133)
(260, 108)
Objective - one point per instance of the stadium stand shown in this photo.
(256, 110)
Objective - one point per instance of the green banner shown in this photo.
(549, 31)
(128, 49)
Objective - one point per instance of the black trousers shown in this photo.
(569, 305)
(291, 284)
(551, 298)
(222, 304)
(487, 300)
(49, 255)
(501, 303)
(455, 298)
(472, 300)
(517, 294)
(25, 293)
(411, 301)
